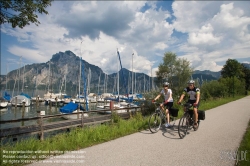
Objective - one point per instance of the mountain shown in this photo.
(247, 65)
(64, 67)
(206, 75)
(51, 76)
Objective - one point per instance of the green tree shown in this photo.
(183, 72)
(234, 85)
(213, 89)
(165, 69)
(175, 70)
(246, 77)
(22, 12)
(232, 68)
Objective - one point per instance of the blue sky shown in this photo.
(205, 33)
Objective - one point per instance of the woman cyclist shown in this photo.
(168, 102)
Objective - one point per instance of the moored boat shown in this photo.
(70, 110)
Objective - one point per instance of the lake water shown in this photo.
(12, 112)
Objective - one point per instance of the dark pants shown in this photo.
(192, 102)
(169, 105)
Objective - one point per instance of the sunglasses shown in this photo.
(165, 86)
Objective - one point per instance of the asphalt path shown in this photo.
(214, 143)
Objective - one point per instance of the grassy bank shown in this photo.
(79, 138)
(245, 147)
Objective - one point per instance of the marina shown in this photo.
(39, 118)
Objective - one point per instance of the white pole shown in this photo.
(79, 89)
(23, 78)
(7, 76)
(151, 77)
(132, 75)
(118, 76)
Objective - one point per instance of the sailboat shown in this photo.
(3, 103)
(70, 111)
(118, 104)
(22, 99)
(49, 96)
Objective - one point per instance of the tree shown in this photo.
(22, 12)
(232, 68)
(234, 85)
(246, 72)
(213, 89)
(175, 70)
(165, 68)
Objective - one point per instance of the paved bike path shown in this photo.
(220, 132)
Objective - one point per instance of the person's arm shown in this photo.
(157, 97)
(197, 97)
(181, 98)
(182, 95)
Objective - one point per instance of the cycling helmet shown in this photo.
(191, 82)
(165, 84)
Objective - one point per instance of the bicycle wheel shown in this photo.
(154, 122)
(183, 126)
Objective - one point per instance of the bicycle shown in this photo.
(159, 117)
(186, 121)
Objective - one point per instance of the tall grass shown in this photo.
(245, 146)
(79, 138)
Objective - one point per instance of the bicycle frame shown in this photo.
(186, 121)
(158, 118)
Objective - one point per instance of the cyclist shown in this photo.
(168, 102)
(194, 98)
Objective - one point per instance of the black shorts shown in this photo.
(169, 105)
(192, 102)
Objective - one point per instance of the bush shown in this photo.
(213, 89)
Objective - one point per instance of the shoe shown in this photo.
(195, 126)
(167, 125)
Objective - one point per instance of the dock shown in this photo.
(41, 127)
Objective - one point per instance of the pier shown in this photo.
(40, 128)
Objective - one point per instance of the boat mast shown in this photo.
(99, 83)
(118, 80)
(132, 75)
(7, 66)
(80, 74)
(49, 78)
(65, 90)
(23, 78)
(19, 73)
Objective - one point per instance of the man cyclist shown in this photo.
(168, 102)
(194, 98)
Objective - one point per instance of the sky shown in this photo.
(206, 33)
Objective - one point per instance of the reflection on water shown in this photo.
(12, 112)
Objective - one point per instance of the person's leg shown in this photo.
(196, 116)
(167, 115)
(168, 105)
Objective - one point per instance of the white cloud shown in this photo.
(203, 36)
(215, 34)
(207, 33)
(32, 55)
